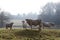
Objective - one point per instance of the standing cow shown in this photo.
(9, 25)
(34, 22)
(24, 24)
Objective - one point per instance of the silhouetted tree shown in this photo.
(57, 14)
(3, 19)
(51, 13)
(47, 12)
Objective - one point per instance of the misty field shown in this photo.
(18, 33)
(22, 34)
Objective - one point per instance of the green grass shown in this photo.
(20, 34)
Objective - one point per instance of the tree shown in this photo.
(19, 16)
(3, 19)
(51, 13)
(31, 15)
(48, 12)
(57, 14)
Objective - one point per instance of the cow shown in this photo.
(34, 22)
(48, 24)
(9, 25)
(24, 24)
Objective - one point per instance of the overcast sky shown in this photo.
(23, 6)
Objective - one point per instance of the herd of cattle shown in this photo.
(31, 22)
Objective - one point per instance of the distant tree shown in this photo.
(48, 12)
(29, 15)
(51, 13)
(32, 15)
(24, 16)
(3, 19)
(18, 16)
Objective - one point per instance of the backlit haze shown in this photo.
(23, 6)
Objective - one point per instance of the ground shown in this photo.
(23, 34)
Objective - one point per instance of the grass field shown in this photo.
(20, 34)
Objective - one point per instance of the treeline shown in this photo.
(6, 17)
(24, 16)
(50, 13)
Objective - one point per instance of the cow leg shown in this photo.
(39, 32)
(43, 27)
(10, 28)
(31, 27)
(24, 27)
(6, 27)
(39, 28)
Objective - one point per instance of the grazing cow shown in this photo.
(24, 24)
(9, 25)
(34, 22)
(48, 24)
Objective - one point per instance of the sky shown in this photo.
(23, 6)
